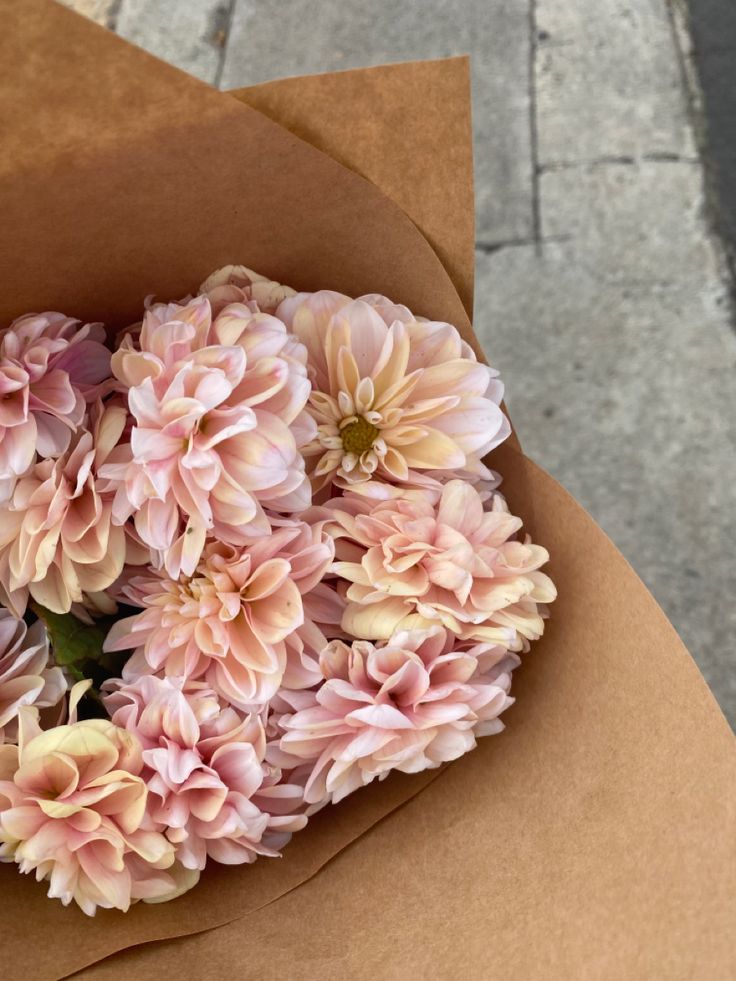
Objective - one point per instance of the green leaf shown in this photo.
(72, 641)
(77, 647)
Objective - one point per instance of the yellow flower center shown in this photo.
(358, 436)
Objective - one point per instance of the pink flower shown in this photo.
(238, 284)
(57, 538)
(393, 397)
(427, 557)
(209, 787)
(234, 622)
(415, 702)
(48, 366)
(26, 676)
(72, 803)
(219, 423)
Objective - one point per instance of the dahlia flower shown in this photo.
(48, 365)
(238, 284)
(26, 676)
(393, 397)
(232, 622)
(218, 418)
(72, 804)
(430, 557)
(415, 702)
(209, 788)
(57, 538)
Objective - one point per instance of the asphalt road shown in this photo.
(713, 32)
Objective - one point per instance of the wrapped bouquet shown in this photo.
(268, 539)
(286, 492)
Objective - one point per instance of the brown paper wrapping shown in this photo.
(595, 837)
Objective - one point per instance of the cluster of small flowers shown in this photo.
(289, 489)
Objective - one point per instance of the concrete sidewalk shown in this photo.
(602, 294)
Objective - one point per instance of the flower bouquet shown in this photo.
(283, 652)
(259, 551)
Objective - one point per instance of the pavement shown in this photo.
(603, 289)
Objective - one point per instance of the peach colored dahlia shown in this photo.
(72, 805)
(218, 409)
(26, 674)
(232, 622)
(393, 397)
(414, 702)
(48, 366)
(57, 537)
(238, 284)
(209, 788)
(439, 557)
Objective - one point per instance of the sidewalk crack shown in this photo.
(227, 14)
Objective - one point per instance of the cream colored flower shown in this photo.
(72, 807)
(394, 397)
(431, 557)
(238, 284)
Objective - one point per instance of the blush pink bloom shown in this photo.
(72, 804)
(429, 557)
(26, 675)
(209, 787)
(238, 284)
(234, 622)
(415, 702)
(57, 538)
(394, 397)
(49, 364)
(219, 420)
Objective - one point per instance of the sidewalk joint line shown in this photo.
(533, 127)
(664, 157)
(488, 248)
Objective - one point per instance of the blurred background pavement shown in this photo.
(606, 202)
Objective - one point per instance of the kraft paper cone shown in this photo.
(594, 838)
